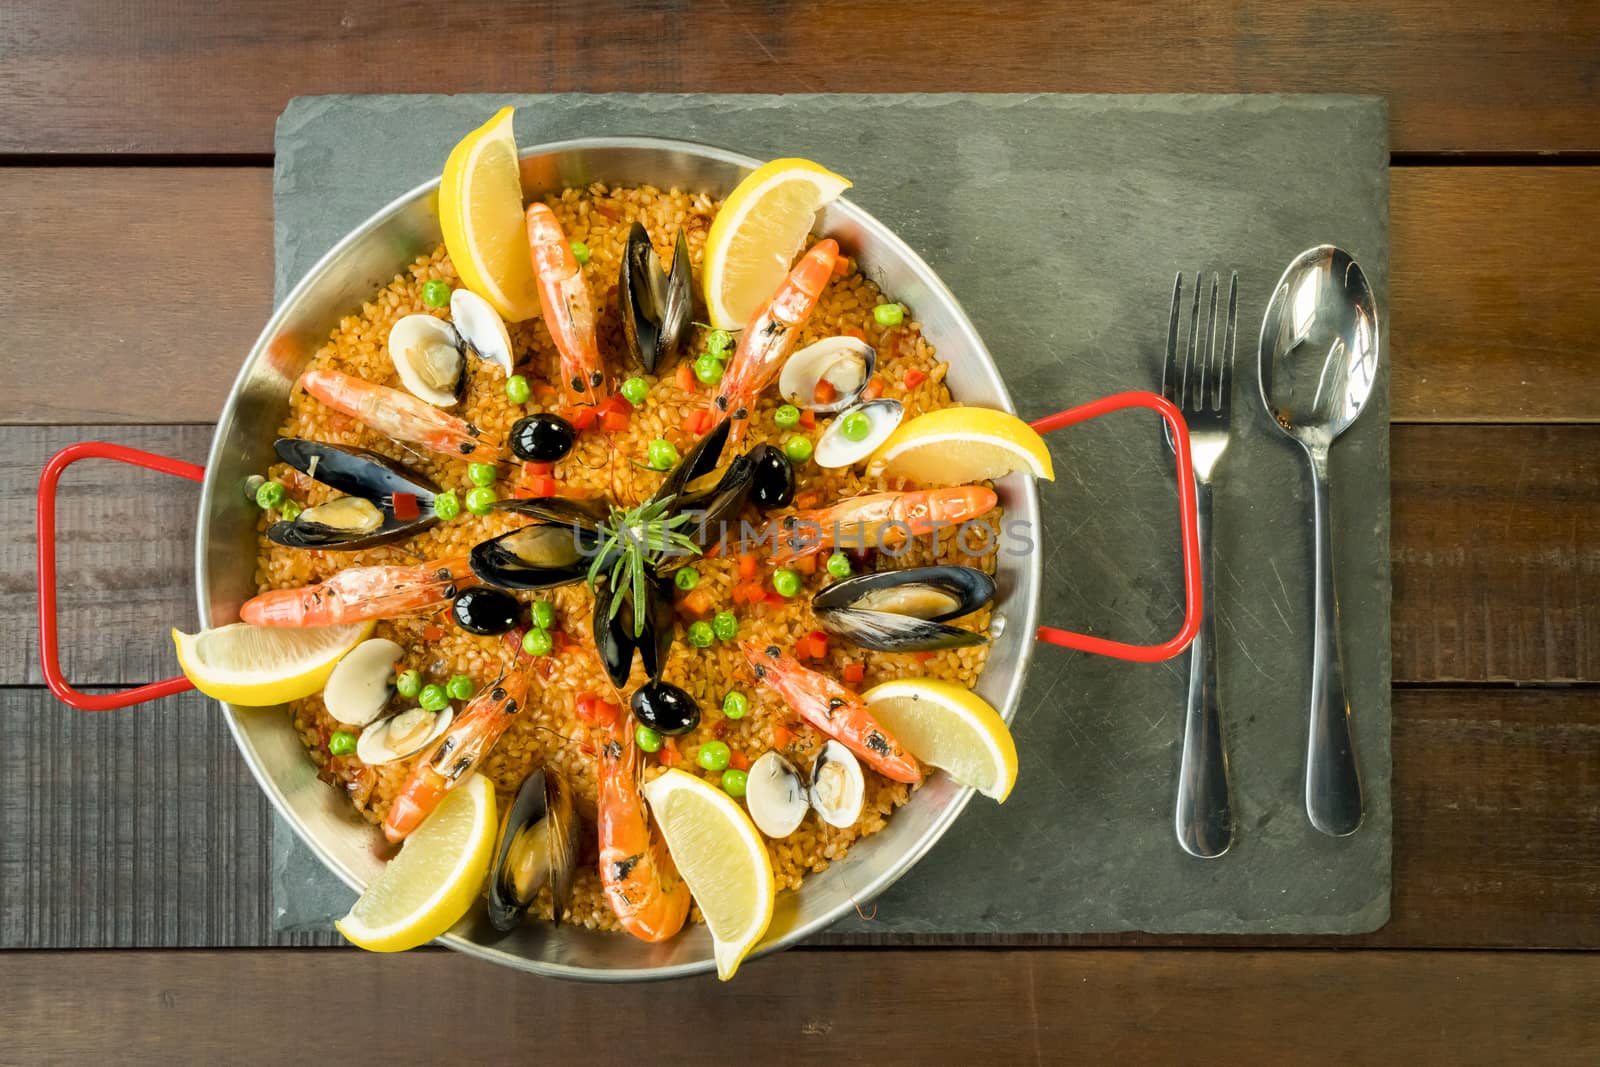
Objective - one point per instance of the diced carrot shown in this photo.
(405, 506)
(583, 418)
(873, 390)
(809, 499)
(806, 564)
(697, 422)
(922, 657)
(698, 602)
(775, 598)
(915, 377)
(841, 267)
(851, 331)
(531, 469)
(669, 753)
(544, 485)
(747, 565)
(685, 378)
(738, 760)
(781, 736)
(808, 419)
(614, 421)
(853, 673)
(824, 393)
(431, 632)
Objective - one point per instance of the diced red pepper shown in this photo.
(685, 377)
(698, 421)
(606, 712)
(824, 393)
(698, 602)
(405, 506)
(583, 418)
(819, 643)
(738, 760)
(616, 402)
(854, 673)
(775, 598)
(543, 485)
(669, 753)
(614, 421)
(747, 565)
(583, 706)
(915, 377)
(431, 632)
(922, 657)
(530, 469)
(781, 736)
(874, 389)
(808, 419)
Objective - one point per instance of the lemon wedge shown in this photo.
(760, 228)
(435, 878)
(952, 446)
(259, 666)
(721, 856)
(480, 211)
(950, 727)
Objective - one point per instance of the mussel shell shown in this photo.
(359, 473)
(542, 438)
(905, 611)
(845, 362)
(775, 795)
(774, 478)
(655, 306)
(665, 708)
(538, 844)
(584, 514)
(486, 611)
(719, 501)
(540, 556)
(701, 460)
(614, 636)
(882, 631)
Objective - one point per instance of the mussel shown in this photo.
(485, 611)
(540, 556)
(776, 796)
(837, 786)
(858, 432)
(828, 376)
(561, 510)
(538, 845)
(427, 353)
(704, 458)
(905, 611)
(384, 502)
(773, 484)
(615, 638)
(665, 708)
(542, 438)
(655, 306)
(401, 736)
(717, 497)
(362, 682)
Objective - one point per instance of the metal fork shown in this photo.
(1201, 385)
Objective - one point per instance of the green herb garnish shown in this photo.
(632, 540)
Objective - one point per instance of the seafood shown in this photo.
(538, 844)
(837, 787)
(858, 432)
(486, 611)
(655, 306)
(401, 735)
(874, 519)
(640, 881)
(828, 376)
(386, 500)
(665, 708)
(541, 556)
(427, 355)
(399, 415)
(615, 638)
(362, 682)
(833, 709)
(542, 438)
(905, 611)
(357, 594)
(459, 751)
(776, 796)
(480, 329)
(568, 307)
(772, 333)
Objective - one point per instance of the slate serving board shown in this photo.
(1059, 222)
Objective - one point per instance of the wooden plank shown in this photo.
(144, 828)
(881, 1007)
(176, 77)
(169, 270)
(1495, 548)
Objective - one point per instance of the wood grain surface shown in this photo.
(195, 76)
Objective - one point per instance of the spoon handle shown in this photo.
(1204, 812)
(1333, 781)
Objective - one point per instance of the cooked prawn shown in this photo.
(360, 593)
(878, 519)
(400, 415)
(568, 307)
(641, 883)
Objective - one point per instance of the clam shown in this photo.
(776, 796)
(385, 501)
(837, 786)
(480, 329)
(541, 556)
(401, 736)
(538, 845)
(828, 376)
(427, 353)
(362, 682)
(905, 611)
(858, 432)
(655, 306)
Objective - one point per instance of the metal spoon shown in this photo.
(1319, 360)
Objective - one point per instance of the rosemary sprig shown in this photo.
(633, 540)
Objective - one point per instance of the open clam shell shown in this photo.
(367, 516)
(362, 683)
(905, 611)
(775, 794)
(401, 736)
(480, 329)
(427, 354)
(837, 786)
(844, 363)
(835, 448)
(655, 306)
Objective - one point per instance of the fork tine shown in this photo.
(1191, 373)
(1169, 369)
(1208, 373)
(1226, 356)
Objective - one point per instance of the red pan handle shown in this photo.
(49, 652)
(1186, 516)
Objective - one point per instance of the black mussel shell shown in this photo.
(358, 473)
(702, 459)
(719, 502)
(486, 611)
(586, 514)
(542, 438)
(614, 636)
(655, 306)
(774, 478)
(905, 611)
(882, 631)
(665, 708)
(540, 556)
(538, 844)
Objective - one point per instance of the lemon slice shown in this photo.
(950, 727)
(480, 211)
(952, 446)
(757, 233)
(435, 878)
(258, 666)
(722, 858)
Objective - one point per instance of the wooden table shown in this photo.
(135, 204)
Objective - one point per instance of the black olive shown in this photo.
(486, 611)
(666, 709)
(774, 478)
(542, 438)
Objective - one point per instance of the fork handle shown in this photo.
(1204, 815)
(1333, 780)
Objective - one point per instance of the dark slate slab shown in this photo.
(1059, 221)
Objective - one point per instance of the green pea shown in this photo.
(786, 582)
(436, 294)
(663, 455)
(647, 739)
(517, 389)
(289, 511)
(735, 704)
(718, 342)
(734, 781)
(480, 500)
(544, 614)
(409, 684)
(701, 635)
(726, 625)
(787, 416)
(634, 390)
(447, 505)
(686, 578)
(889, 314)
(341, 743)
(713, 756)
(580, 252)
(482, 473)
(433, 698)
(797, 448)
(270, 495)
(839, 565)
(459, 687)
(538, 642)
(708, 368)
(856, 426)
